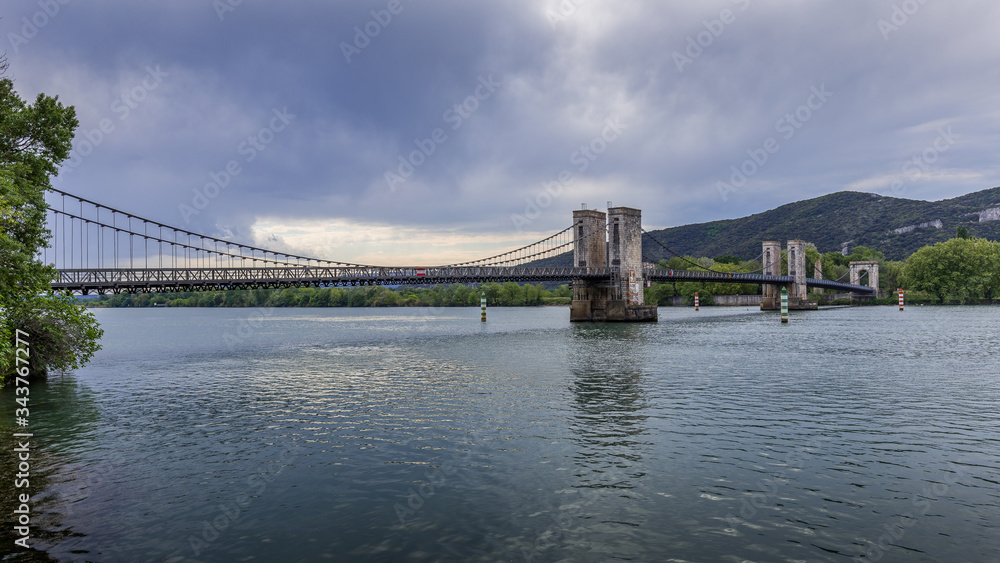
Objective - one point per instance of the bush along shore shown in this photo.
(455, 295)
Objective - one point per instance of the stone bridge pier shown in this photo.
(615, 237)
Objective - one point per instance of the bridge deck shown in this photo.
(102, 281)
(722, 277)
(189, 279)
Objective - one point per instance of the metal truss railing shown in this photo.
(185, 279)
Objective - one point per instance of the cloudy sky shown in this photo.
(403, 131)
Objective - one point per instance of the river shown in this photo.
(425, 435)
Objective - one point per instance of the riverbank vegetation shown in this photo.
(961, 270)
(34, 139)
(455, 295)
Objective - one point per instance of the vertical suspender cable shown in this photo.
(55, 237)
(63, 243)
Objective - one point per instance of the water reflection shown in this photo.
(609, 400)
(53, 482)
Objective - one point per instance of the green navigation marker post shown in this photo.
(784, 304)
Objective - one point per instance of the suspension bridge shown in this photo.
(101, 249)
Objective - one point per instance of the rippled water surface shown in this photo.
(425, 435)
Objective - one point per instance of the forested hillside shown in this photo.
(830, 222)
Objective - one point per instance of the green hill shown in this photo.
(896, 227)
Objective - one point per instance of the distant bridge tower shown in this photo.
(617, 237)
(858, 268)
(798, 293)
(771, 294)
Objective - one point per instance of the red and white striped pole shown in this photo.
(900, 299)
(696, 301)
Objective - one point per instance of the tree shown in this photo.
(729, 259)
(962, 232)
(890, 275)
(34, 139)
(865, 254)
(957, 270)
(835, 266)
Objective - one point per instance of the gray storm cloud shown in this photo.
(393, 124)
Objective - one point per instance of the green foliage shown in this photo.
(6, 350)
(835, 266)
(660, 293)
(865, 254)
(812, 256)
(34, 139)
(729, 259)
(890, 275)
(455, 295)
(62, 335)
(962, 232)
(956, 271)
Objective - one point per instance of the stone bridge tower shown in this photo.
(858, 268)
(798, 292)
(615, 237)
(625, 252)
(590, 299)
(771, 294)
